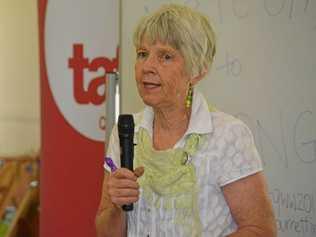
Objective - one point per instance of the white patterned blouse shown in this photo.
(228, 154)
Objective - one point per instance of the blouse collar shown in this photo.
(200, 120)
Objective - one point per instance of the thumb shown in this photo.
(139, 171)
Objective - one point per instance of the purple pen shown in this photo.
(110, 163)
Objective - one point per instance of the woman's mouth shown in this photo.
(151, 85)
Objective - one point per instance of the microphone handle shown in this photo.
(127, 154)
(128, 207)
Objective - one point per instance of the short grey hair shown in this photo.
(184, 29)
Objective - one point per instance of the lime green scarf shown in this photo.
(171, 177)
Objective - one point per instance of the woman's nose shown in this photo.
(150, 63)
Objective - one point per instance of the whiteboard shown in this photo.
(265, 74)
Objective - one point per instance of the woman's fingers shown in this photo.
(124, 192)
(139, 171)
(123, 173)
(122, 183)
(122, 196)
(124, 200)
(123, 187)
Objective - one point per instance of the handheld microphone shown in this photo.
(126, 136)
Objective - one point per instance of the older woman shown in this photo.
(199, 173)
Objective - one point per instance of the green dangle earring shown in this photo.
(188, 99)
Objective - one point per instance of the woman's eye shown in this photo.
(167, 57)
(141, 54)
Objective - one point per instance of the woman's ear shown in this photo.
(195, 79)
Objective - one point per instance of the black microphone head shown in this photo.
(125, 124)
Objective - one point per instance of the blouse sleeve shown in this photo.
(113, 150)
(240, 157)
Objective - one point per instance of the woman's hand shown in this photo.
(123, 187)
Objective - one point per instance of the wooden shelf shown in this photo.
(18, 188)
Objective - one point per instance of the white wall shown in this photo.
(19, 77)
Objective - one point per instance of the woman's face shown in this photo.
(161, 77)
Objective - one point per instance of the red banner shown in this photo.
(77, 48)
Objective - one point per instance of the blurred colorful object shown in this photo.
(18, 195)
